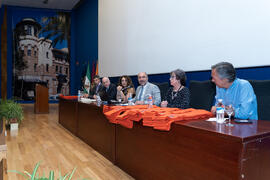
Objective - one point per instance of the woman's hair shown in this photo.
(129, 81)
(180, 75)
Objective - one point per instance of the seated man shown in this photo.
(95, 88)
(109, 90)
(145, 89)
(237, 92)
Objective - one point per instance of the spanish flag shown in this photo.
(97, 68)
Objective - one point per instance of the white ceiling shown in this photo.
(52, 4)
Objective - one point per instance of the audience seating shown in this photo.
(262, 91)
(202, 94)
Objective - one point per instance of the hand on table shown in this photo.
(139, 102)
(164, 104)
(213, 110)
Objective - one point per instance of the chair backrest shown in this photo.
(163, 87)
(262, 91)
(202, 94)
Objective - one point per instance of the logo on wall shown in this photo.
(41, 55)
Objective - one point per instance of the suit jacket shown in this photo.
(149, 89)
(95, 90)
(109, 94)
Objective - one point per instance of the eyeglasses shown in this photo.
(172, 77)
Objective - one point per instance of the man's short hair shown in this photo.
(225, 70)
(144, 73)
(96, 76)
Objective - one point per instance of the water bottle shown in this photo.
(79, 95)
(119, 97)
(150, 101)
(98, 100)
(129, 100)
(220, 111)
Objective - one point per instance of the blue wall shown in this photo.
(1, 20)
(85, 40)
(9, 52)
(251, 73)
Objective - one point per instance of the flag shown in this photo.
(87, 82)
(97, 68)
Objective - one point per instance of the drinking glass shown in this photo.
(229, 111)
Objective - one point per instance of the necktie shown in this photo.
(97, 88)
(140, 94)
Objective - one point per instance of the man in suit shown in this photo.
(96, 88)
(109, 90)
(145, 89)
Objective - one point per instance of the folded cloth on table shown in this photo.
(156, 117)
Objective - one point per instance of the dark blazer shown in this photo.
(110, 94)
(95, 90)
(179, 99)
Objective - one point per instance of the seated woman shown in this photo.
(178, 95)
(125, 88)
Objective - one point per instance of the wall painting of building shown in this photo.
(41, 55)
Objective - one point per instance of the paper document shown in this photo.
(212, 119)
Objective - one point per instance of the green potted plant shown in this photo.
(35, 176)
(12, 112)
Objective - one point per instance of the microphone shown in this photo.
(125, 88)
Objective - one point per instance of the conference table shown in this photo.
(190, 150)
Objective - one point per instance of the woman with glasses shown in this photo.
(125, 88)
(178, 95)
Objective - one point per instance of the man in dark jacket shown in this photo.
(109, 90)
(95, 89)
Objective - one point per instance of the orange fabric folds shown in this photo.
(156, 117)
